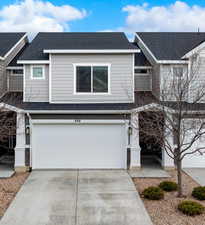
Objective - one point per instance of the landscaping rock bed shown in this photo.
(165, 212)
(9, 188)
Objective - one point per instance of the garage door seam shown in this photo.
(76, 201)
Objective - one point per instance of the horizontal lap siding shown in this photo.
(121, 77)
(36, 90)
(15, 83)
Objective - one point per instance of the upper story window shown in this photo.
(178, 71)
(37, 72)
(92, 78)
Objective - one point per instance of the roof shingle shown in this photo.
(171, 45)
(8, 40)
(75, 41)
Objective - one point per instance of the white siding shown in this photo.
(166, 80)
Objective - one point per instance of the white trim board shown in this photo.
(78, 121)
(65, 51)
(78, 111)
(33, 62)
(14, 67)
(17, 43)
(160, 61)
(11, 108)
(194, 50)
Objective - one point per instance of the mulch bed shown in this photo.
(9, 188)
(164, 212)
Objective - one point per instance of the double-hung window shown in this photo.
(37, 72)
(92, 78)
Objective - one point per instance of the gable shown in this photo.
(8, 41)
(170, 45)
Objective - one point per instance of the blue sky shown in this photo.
(101, 15)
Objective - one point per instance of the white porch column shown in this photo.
(135, 160)
(20, 143)
(167, 161)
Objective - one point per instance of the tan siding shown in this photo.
(36, 90)
(156, 80)
(2, 77)
(14, 83)
(143, 82)
(199, 73)
(121, 77)
(166, 77)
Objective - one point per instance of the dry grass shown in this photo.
(8, 189)
(164, 212)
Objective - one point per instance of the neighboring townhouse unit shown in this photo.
(80, 92)
(11, 44)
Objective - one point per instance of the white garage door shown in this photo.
(78, 146)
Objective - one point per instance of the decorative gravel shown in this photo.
(9, 188)
(164, 212)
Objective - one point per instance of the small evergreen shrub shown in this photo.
(199, 193)
(191, 208)
(153, 193)
(168, 186)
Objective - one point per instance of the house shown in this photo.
(76, 100)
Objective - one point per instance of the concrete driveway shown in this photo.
(92, 197)
(197, 174)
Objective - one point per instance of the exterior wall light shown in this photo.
(27, 130)
(130, 130)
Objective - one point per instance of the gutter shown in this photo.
(78, 111)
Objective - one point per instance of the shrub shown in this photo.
(168, 186)
(199, 193)
(153, 193)
(191, 208)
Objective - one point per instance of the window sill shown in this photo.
(87, 93)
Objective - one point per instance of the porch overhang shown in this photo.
(153, 106)
(8, 107)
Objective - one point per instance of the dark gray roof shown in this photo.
(8, 40)
(16, 99)
(13, 63)
(171, 45)
(141, 99)
(140, 58)
(75, 41)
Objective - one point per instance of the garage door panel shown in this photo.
(78, 146)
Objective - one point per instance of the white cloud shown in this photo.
(33, 16)
(174, 17)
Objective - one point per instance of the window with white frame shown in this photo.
(92, 78)
(37, 72)
(178, 71)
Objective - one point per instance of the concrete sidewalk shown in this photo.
(197, 174)
(92, 197)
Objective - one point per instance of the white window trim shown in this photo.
(91, 64)
(38, 78)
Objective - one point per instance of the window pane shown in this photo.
(178, 71)
(100, 79)
(37, 72)
(83, 79)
